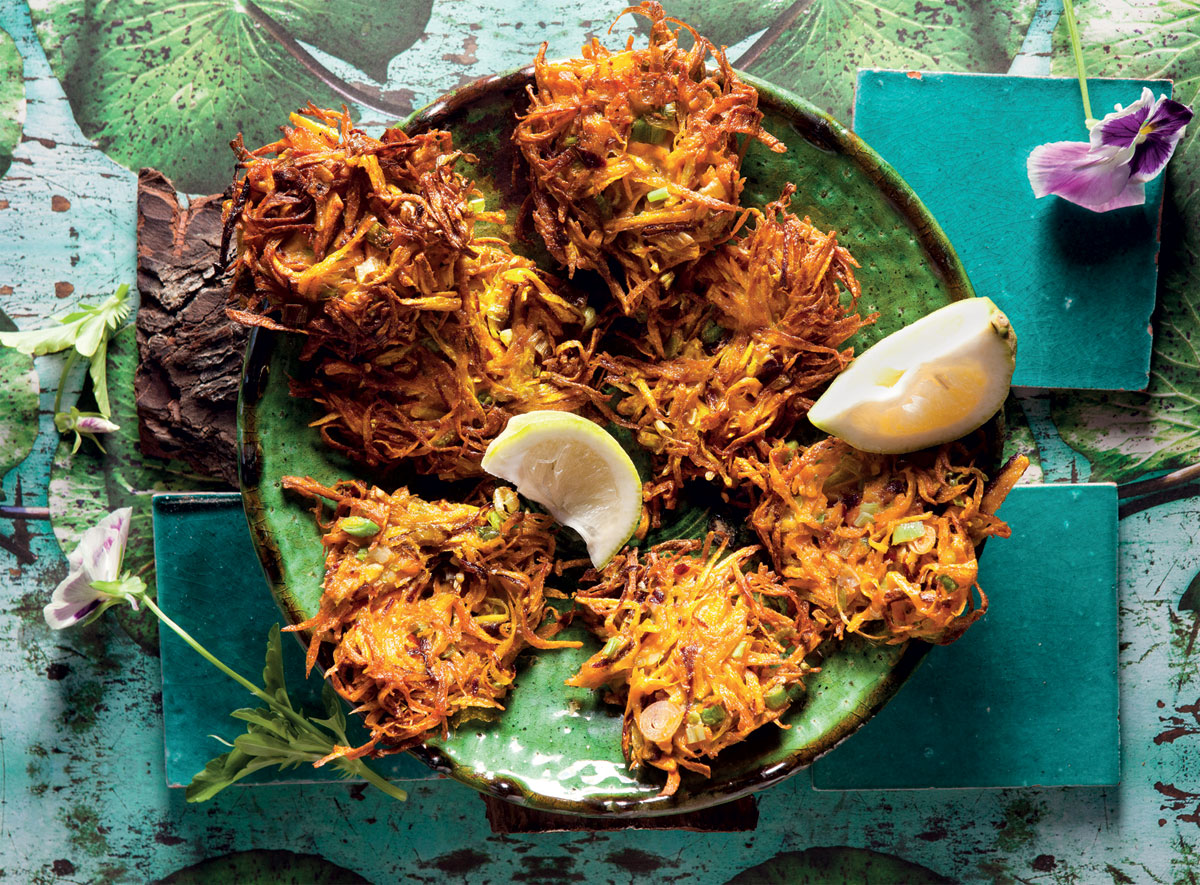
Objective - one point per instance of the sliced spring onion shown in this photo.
(712, 715)
(657, 195)
(712, 333)
(776, 698)
(948, 582)
(361, 555)
(612, 648)
(359, 527)
(695, 734)
(866, 513)
(477, 205)
(495, 520)
(741, 649)
(487, 533)
(908, 531)
(645, 131)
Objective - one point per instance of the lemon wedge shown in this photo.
(932, 381)
(575, 470)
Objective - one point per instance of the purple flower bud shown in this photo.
(95, 424)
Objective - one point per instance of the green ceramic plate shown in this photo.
(558, 748)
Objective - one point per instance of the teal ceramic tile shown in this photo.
(210, 582)
(1029, 695)
(1079, 286)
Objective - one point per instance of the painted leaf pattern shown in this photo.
(1129, 434)
(164, 84)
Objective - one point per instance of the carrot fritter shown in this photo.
(767, 327)
(422, 338)
(634, 156)
(703, 648)
(883, 546)
(427, 605)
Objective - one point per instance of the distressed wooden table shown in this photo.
(90, 92)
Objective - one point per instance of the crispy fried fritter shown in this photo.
(427, 605)
(702, 647)
(883, 545)
(634, 157)
(422, 339)
(767, 327)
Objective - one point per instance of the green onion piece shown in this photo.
(712, 333)
(776, 698)
(612, 648)
(668, 110)
(948, 582)
(907, 531)
(695, 734)
(795, 691)
(420, 628)
(361, 555)
(645, 131)
(485, 398)
(602, 205)
(570, 140)
(960, 501)
(821, 518)
(657, 195)
(866, 513)
(712, 715)
(741, 649)
(589, 317)
(495, 520)
(477, 205)
(359, 527)
(487, 533)
(379, 235)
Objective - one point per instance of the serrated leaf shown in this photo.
(165, 84)
(267, 720)
(1126, 435)
(39, 342)
(218, 774)
(274, 681)
(819, 54)
(12, 99)
(1190, 600)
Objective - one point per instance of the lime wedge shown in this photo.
(575, 470)
(928, 383)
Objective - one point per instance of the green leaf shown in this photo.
(18, 403)
(263, 867)
(265, 719)
(836, 866)
(274, 681)
(1126, 435)
(1190, 600)
(88, 485)
(218, 774)
(39, 342)
(98, 370)
(166, 84)
(12, 99)
(818, 55)
(724, 22)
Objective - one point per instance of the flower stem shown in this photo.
(357, 766)
(207, 655)
(1077, 49)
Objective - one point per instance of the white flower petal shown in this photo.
(75, 589)
(62, 614)
(102, 547)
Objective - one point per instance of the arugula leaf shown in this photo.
(273, 678)
(282, 736)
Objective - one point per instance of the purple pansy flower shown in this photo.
(1128, 148)
(92, 584)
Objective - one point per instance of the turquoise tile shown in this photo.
(211, 583)
(1079, 286)
(1029, 695)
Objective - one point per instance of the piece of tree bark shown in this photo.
(190, 353)
(738, 816)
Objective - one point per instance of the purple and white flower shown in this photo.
(1128, 148)
(94, 582)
